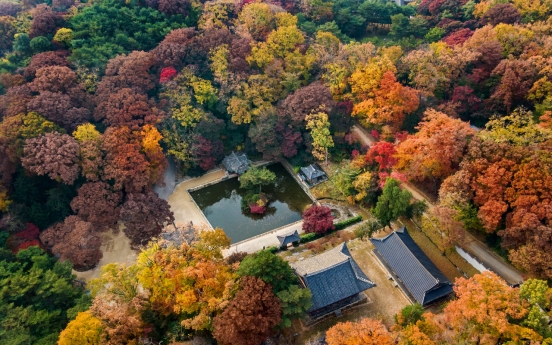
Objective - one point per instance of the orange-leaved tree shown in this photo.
(363, 332)
(389, 105)
(487, 311)
(436, 151)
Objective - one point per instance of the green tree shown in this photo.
(37, 297)
(410, 315)
(534, 290)
(257, 177)
(538, 294)
(40, 44)
(434, 34)
(400, 26)
(270, 268)
(367, 229)
(112, 27)
(393, 202)
(22, 44)
(295, 302)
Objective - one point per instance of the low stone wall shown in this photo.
(268, 233)
(471, 260)
(201, 211)
(305, 188)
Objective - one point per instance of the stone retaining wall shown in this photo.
(289, 168)
(268, 233)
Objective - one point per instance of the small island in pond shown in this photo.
(221, 204)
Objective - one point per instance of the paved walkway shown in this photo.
(182, 205)
(474, 247)
(495, 263)
(265, 240)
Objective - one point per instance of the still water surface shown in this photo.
(221, 205)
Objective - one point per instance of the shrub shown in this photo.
(236, 257)
(315, 247)
(318, 219)
(272, 249)
(256, 209)
(347, 222)
(308, 237)
(367, 229)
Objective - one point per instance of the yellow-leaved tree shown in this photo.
(86, 131)
(86, 329)
(319, 127)
(192, 281)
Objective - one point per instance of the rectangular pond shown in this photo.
(221, 205)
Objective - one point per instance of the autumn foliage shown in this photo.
(97, 97)
(486, 310)
(318, 219)
(363, 332)
(250, 316)
(74, 240)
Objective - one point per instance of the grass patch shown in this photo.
(463, 264)
(451, 254)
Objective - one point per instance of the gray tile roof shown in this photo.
(420, 276)
(236, 163)
(332, 276)
(312, 172)
(289, 238)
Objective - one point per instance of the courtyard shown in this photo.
(383, 301)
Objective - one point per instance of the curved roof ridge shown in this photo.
(353, 262)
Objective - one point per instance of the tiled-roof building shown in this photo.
(409, 265)
(288, 238)
(334, 279)
(313, 174)
(236, 163)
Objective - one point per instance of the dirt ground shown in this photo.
(384, 300)
(115, 248)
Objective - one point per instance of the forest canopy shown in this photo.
(98, 98)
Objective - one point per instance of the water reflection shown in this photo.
(221, 205)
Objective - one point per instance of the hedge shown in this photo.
(308, 237)
(347, 222)
(272, 249)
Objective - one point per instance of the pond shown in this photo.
(221, 205)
